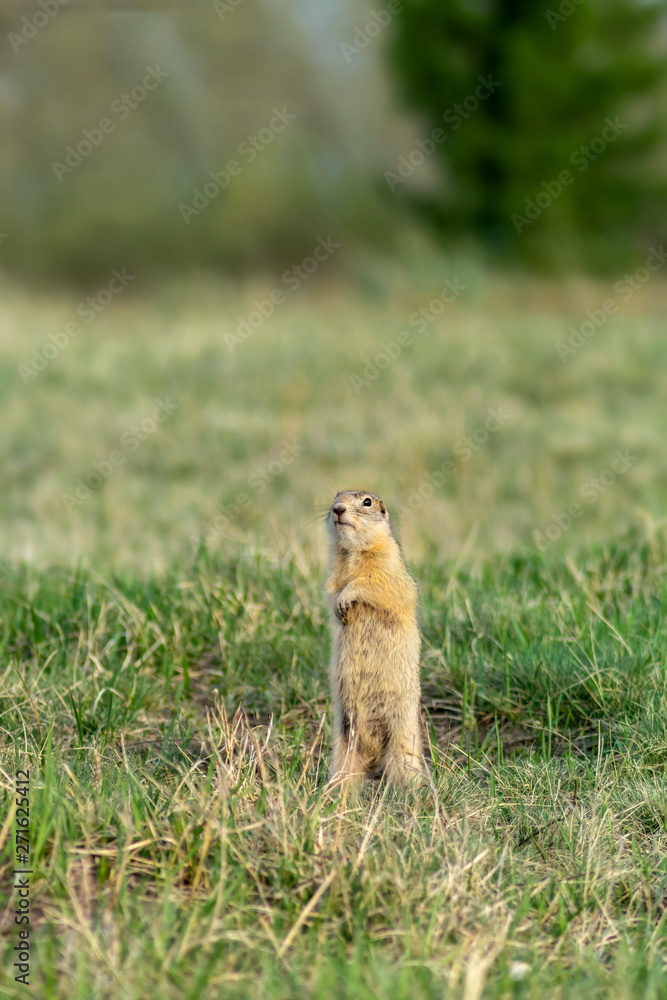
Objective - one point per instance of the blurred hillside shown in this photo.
(98, 169)
(230, 134)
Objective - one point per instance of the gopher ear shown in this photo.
(382, 507)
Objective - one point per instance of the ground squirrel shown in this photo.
(374, 669)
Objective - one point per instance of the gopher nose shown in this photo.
(339, 509)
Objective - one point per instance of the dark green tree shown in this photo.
(537, 140)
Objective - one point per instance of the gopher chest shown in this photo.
(375, 648)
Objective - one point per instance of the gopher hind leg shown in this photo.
(347, 762)
(404, 768)
(404, 760)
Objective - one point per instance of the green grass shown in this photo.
(184, 843)
(166, 682)
(290, 382)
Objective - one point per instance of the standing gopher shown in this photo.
(374, 669)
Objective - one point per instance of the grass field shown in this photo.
(164, 641)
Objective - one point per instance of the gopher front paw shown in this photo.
(342, 609)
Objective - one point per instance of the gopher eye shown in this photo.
(367, 502)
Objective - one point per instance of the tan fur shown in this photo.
(374, 668)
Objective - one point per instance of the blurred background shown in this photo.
(255, 252)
